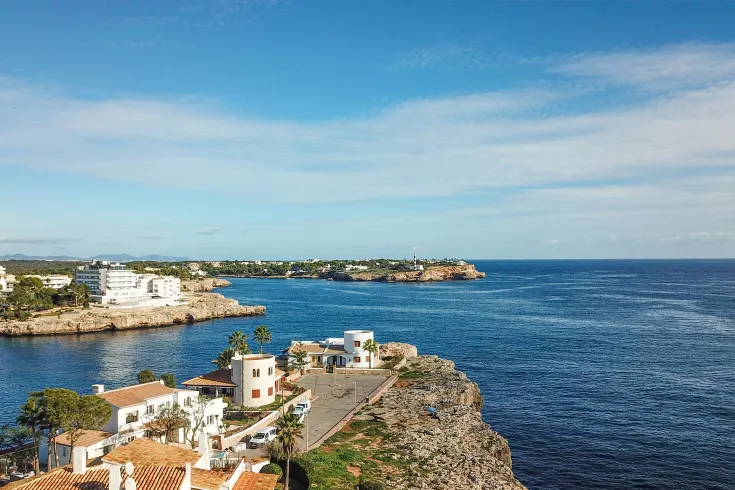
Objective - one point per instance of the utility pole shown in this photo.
(355, 383)
(307, 431)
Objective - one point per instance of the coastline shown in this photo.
(438, 273)
(200, 307)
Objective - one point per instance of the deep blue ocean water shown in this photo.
(601, 374)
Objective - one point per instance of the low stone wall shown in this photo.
(378, 392)
(375, 372)
(316, 371)
(228, 442)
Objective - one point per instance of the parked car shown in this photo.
(263, 437)
(305, 405)
(299, 413)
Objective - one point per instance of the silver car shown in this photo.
(263, 437)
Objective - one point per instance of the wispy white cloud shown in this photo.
(659, 166)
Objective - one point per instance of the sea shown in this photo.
(601, 374)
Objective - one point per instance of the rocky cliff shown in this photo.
(431, 273)
(455, 449)
(199, 307)
(204, 285)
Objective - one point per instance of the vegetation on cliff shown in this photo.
(30, 295)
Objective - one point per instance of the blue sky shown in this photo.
(296, 129)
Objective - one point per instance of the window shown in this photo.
(63, 451)
(132, 417)
(256, 394)
(150, 409)
(187, 402)
(357, 343)
(210, 419)
(259, 373)
(357, 359)
(270, 391)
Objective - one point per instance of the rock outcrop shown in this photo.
(204, 285)
(398, 349)
(431, 273)
(199, 307)
(455, 449)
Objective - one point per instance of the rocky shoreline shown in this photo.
(199, 307)
(455, 449)
(204, 285)
(433, 273)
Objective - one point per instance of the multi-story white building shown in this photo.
(252, 380)
(115, 283)
(348, 351)
(3, 280)
(54, 281)
(136, 406)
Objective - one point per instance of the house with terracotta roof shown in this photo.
(252, 380)
(151, 466)
(133, 407)
(347, 351)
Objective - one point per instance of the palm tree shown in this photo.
(239, 342)
(31, 417)
(262, 335)
(371, 346)
(289, 431)
(224, 358)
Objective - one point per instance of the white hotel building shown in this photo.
(115, 283)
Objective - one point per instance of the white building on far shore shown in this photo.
(3, 280)
(114, 283)
(53, 281)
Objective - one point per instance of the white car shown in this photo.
(299, 413)
(305, 405)
(263, 437)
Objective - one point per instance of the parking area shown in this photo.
(333, 397)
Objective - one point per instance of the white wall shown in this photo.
(352, 336)
(264, 379)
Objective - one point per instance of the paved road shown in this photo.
(333, 397)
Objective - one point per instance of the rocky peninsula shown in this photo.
(400, 444)
(204, 285)
(429, 274)
(199, 307)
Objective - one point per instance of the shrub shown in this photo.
(272, 469)
(370, 485)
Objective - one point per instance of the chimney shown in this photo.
(79, 460)
(204, 448)
(186, 484)
(97, 389)
(115, 476)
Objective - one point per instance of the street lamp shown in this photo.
(355, 383)
(306, 416)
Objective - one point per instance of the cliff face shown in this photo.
(204, 285)
(200, 307)
(431, 273)
(454, 450)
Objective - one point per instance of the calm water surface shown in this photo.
(602, 374)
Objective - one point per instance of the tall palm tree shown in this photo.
(262, 335)
(239, 342)
(289, 431)
(32, 417)
(224, 358)
(371, 346)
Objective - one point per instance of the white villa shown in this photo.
(54, 281)
(252, 380)
(114, 283)
(340, 352)
(4, 280)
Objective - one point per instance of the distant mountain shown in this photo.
(111, 257)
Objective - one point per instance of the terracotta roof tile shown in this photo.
(88, 438)
(135, 395)
(143, 452)
(207, 479)
(256, 481)
(146, 478)
(220, 377)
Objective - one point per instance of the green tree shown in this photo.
(224, 358)
(168, 420)
(31, 417)
(372, 347)
(86, 412)
(262, 335)
(146, 376)
(169, 380)
(239, 342)
(55, 403)
(289, 432)
(300, 358)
